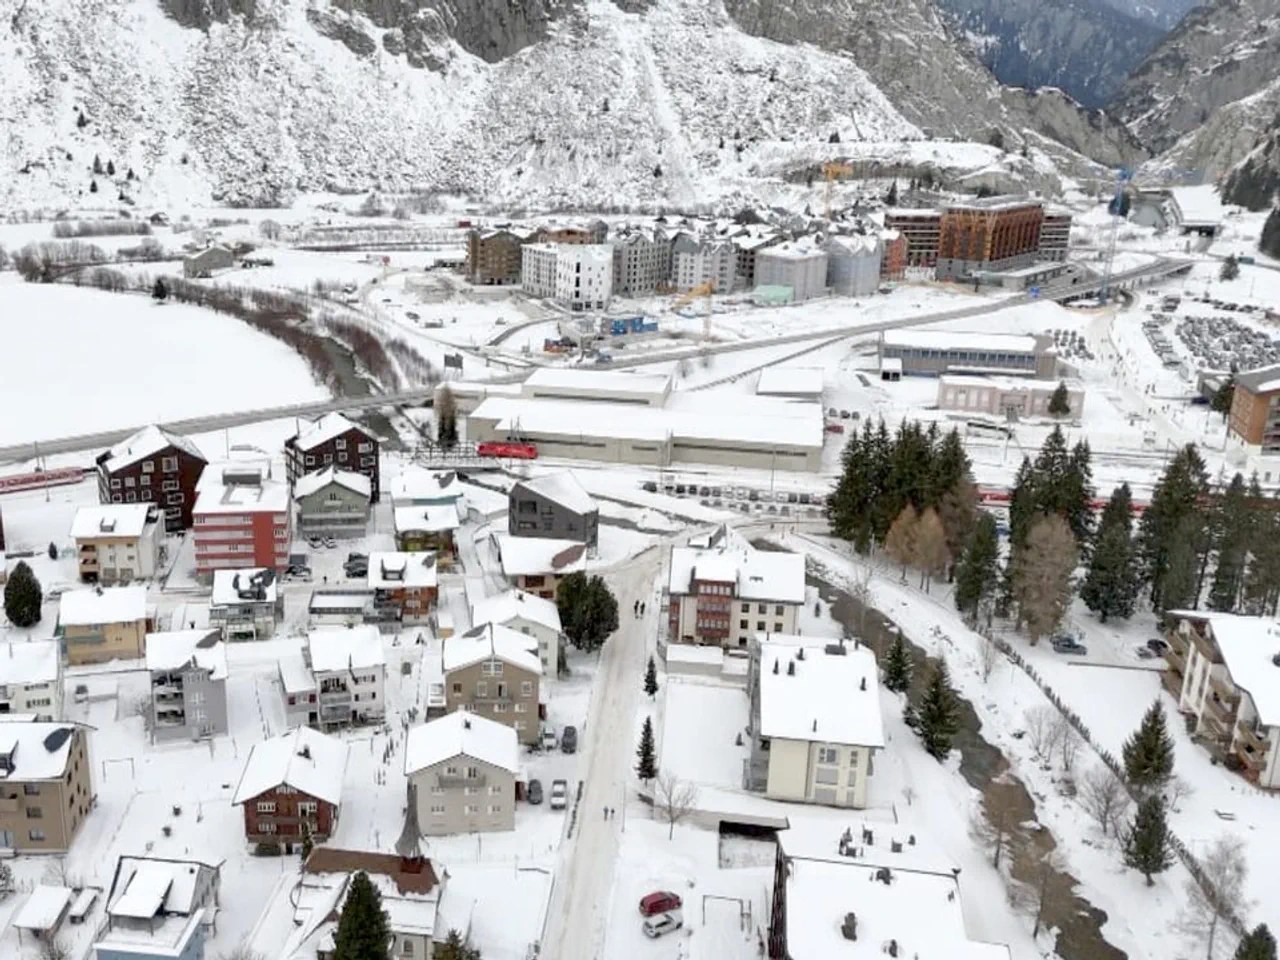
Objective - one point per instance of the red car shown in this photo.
(661, 901)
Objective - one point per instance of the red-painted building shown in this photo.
(334, 441)
(291, 787)
(153, 466)
(242, 518)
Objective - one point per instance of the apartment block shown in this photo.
(350, 673)
(461, 770)
(332, 503)
(31, 679)
(1255, 409)
(188, 684)
(246, 604)
(46, 790)
(493, 257)
(921, 230)
(495, 672)
(117, 542)
(153, 466)
(243, 518)
(407, 582)
(334, 441)
(996, 233)
(535, 617)
(102, 624)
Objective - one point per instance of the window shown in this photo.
(494, 790)
(491, 668)
(437, 810)
(169, 464)
(495, 808)
(470, 791)
(760, 625)
(450, 771)
(35, 835)
(406, 947)
(128, 482)
(499, 708)
(522, 708)
(777, 628)
(746, 608)
(310, 461)
(267, 827)
(145, 479)
(168, 485)
(457, 688)
(471, 809)
(365, 448)
(340, 444)
(31, 789)
(482, 689)
(778, 610)
(473, 773)
(760, 608)
(35, 813)
(853, 775)
(742, 624)
(437, 791)
(826, 775)
(306, 808)
(526, 688)
(266, 806)
(828, 755)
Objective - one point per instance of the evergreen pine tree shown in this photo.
(1023, 500)
(1269, 241)
(1148, 754)
(455, 948)
(1077, 494)
(646, 764)
(23, 596)
(97, 165)
(978, 573)
(93, 186)
(446, 410)
(1110, 586)
(897, 666)
(1178, 585)
(1163, 527)
(1262, 581)
(1060, 402)
(891, 198)
(938, 713)
(849, 509)
(362, 932)
(1257, 944)
(159, 292)
(1224, 396)
(111, 168)
(1232, 528)
(651, 678)
(1230, 268)
(1146, 847)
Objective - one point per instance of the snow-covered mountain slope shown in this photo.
(1162, 13)
(1255, 182)
(1085, 47)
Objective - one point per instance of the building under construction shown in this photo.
(997, 233)
(921, 229)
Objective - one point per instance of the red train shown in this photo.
(507, 451)
(41, 479)
(996, 496)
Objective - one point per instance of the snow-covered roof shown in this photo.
(44, 908)
(304, 759)
(562, 488)
(112, 520)
(37, 751)
(146, 442)
(336, 649)
(417, 483)
(461, 734)
(793, 250)
(823, 699)
(1248, 645)
(757, 574)
(327, 428)
(853, 244)
(391, 570)
(531, 556)
(1199, 204)
(309, 483)
(502, 608)
(174, 649)
(150, 884)
(990, 204)
(249, 490)
(610, 381)
(97, 605)
(1261, 380)
(35, 661)
(227, 585)
(958, 340)
(790, 382)
(491, 640)
(295, 677)
(429, 518)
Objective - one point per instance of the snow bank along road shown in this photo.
(579, 908)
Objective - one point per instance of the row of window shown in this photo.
(305, 807)
(471, 809)
(145, 480)
(132, 497)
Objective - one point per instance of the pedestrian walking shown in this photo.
(612, 812)
(642, 609)
(606, 813)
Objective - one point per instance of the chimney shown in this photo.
(863, 685)
(305, 752)
(815, 724)
(791, 668)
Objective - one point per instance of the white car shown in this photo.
(662, 923)
(549, 741)
(559, 794)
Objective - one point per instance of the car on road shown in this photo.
(1069, 645)
(660, 901)
(704, 491)
(559, 794)
(411, 315)
(663, 923)
(569, 740)
(81, 693)
(533, 793)
(549, 738)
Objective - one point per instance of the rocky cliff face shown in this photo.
(1084, 47)
(1255, 183)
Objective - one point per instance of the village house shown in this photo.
(246, 604)
(535, 617)
(46, 787)
(405, 581)
(117, 542)
(537, 566)
(332, 503)
(31, 679)
(205, 263)
(553, 506)
(188, 684)
(461, 771)
(495, 672)
(334, 441)
(242, 518)
(156, 466)
(726, 593)
(101, 624)
(350, 672)
(814, 721)
(159, 909)
(291, 787)
(427, 528)
(416, 486)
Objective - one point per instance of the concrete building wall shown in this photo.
(464, 795)
(788, 777)
(509, 697)
(538, 270)
(43, 816)
(815, 772)
(44, 700)
(1255, 418)
(198, 711)
(806, 275)
(584, 276)
(529, 514)
(102, 642)
(112, 560)
(333, 510)
(548, 641)
(853, 273)
(997, 399)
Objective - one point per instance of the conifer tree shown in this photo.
(1148, 754)
(1257, 944)
(97, 165)
(646, 763)
(651, 678)
(1077, 494)
(159, 292)
(978, 573)
(897, 666)
(1179, 583)
(1262, 581)
(111, 168)
(363, 933)
(1164, 524)
(1110, 586)
(446, 411)
(1269, 240)
(455, 948)
(938, 713)
(1146, 846)
(1060, 402)
(1023, 500)
(1230, 268)
(1232, 529)
(22, 596)
(1224, 396)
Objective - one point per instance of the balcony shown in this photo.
(171, 718)
(457, 781)
(1172, 681)
(1254, 736)
(335, 695)
(1226, 692)
(1252, 760)
(1205, 648)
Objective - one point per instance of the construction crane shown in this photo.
(833, 171)
(701, 290)
(1119, 210)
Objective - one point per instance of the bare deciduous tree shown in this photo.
(931, 554)
(1104, 797)
(1211, 905)
(988, 656)
(860, 592)
(1044, 730)
(1176, 790)
(900, 541)
(674, 799)
(241, 951)
(1069, 744)
(993, 830)
(54, 948)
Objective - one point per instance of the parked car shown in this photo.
(1145, 653)
(649, 487)
(1069, 645)
(297, 573)
(548, 738)
(559, 794)
(534, 792)
(569, 740)
(660, 901)
(1157, 646)
(663, 923)
(315, 542)
(353, 557)
(81, 693)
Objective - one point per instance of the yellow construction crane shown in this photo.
(833, 171)
(701, 290)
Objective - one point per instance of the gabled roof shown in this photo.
(345, 648)
(145, 443)
(502, 608)
(335, 860)
(37, 751)
(112, 520)
(174, 649)
(304, 759)
(491, 640)
(756, 574)
(102, 605)
(33, 661)
(461, 734)
(562, 488)
(309, 483)
(328, 427)
(389, 570)
(415, 483)
(525, 556)
(428, 518)
(145, 886)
